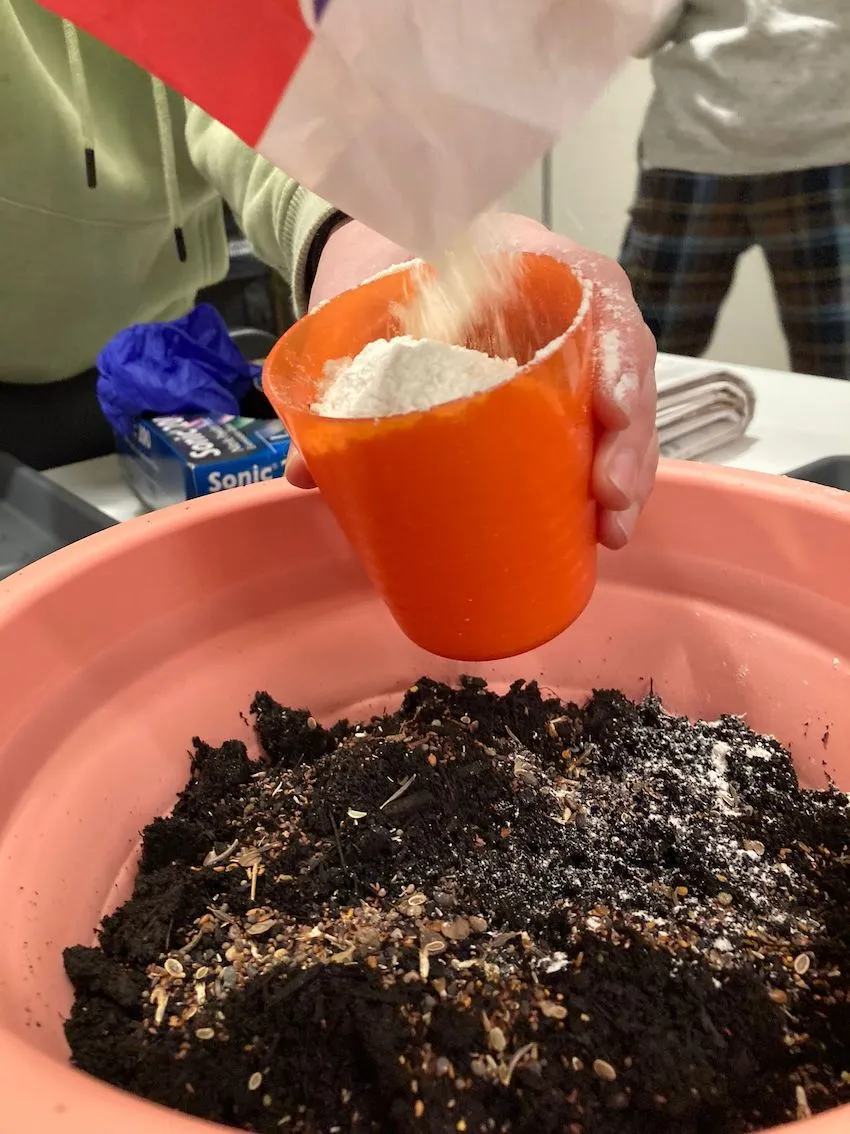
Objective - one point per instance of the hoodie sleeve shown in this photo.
(663, 33)
(284, 223)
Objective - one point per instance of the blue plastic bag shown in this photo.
(190, 366)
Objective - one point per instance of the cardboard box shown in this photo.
(167, 460)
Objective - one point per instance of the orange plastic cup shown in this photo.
(475, 519)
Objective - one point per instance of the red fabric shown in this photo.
(233, 59)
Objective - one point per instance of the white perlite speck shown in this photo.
(403, 375)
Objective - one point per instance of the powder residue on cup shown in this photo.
(405, 375)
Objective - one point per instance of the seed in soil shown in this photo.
(604, 1070)
(396, 963)
(802, 964)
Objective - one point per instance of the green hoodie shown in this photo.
(80, 261)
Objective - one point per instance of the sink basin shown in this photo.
(834, 472)
(731, 598)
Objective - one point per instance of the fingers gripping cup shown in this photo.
(474, 519)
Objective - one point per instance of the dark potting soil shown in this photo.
(483, 913)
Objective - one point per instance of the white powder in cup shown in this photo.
(424, 367)
(404, 374)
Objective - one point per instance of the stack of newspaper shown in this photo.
(698, 413)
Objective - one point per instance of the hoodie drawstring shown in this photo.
(168, 158)
(81, 98)
(167, 152)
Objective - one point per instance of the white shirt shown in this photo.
(750, 87)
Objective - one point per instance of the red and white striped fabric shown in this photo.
(411, 115)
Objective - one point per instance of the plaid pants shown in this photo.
(688, 230)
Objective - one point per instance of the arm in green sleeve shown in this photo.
(281, 220)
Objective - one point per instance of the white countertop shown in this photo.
(798, 419)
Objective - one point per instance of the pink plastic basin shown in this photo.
(115, 652)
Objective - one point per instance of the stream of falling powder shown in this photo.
(466, 288)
